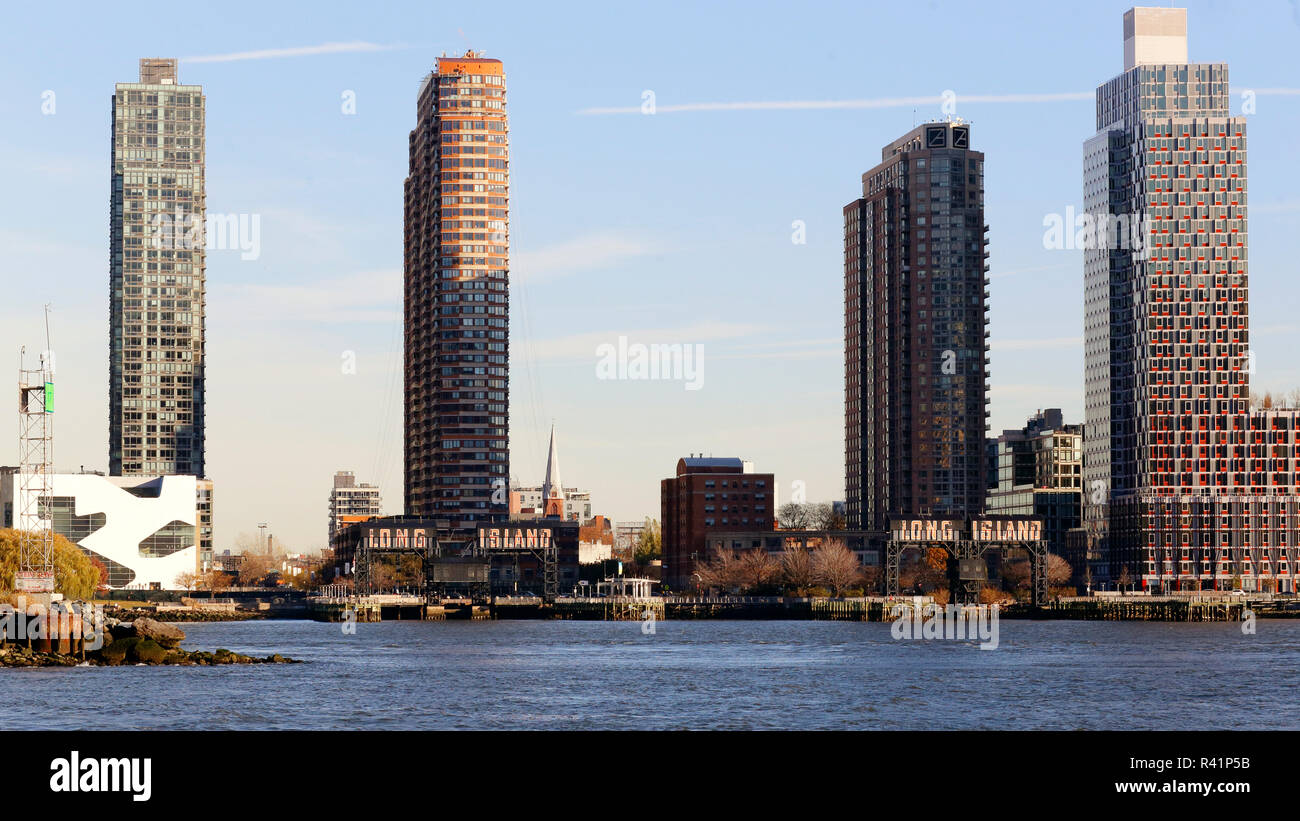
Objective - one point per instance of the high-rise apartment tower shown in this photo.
(915, 338)
(156, 276)
(1187, 487)
(457, 296)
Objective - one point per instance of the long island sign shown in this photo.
(509, 539)
(1010, 529)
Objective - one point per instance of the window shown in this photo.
(171, 538)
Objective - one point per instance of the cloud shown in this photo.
(879, 102)
(580, 254)
(300, 51)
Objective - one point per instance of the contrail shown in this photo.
(301, 51)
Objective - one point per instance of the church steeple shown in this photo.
(552, 489)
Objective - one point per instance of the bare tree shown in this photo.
(759, 569)
(723, 570)
(250, 543)
(796, 567)
(825, 518)
(835, 566)
(1015, 574)
(813, 516)
(1059, 571)
(793, 516)
(256, 567)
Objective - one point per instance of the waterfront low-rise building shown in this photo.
(709, 496)
(146, 530)
(1040, 473)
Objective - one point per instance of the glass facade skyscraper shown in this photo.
(158, 208)
(156, 275)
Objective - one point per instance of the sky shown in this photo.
(677, 226)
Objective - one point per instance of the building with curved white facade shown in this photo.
(144, 529)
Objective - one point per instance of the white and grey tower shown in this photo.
(156, 276)
(1185, 486)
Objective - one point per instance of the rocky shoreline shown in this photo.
(144, 641)
(181, 616)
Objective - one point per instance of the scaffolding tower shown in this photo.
(35, 481)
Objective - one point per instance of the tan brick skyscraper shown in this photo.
(457, 297)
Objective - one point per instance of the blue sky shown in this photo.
(672, 227)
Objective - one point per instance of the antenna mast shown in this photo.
(35, 480)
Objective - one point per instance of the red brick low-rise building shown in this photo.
(709, 495)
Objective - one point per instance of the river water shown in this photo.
(687, 674)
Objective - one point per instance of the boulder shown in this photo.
(146, 651)
(122, 630)
(116, 652)
(167, 635)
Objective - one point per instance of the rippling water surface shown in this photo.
(689, 674)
